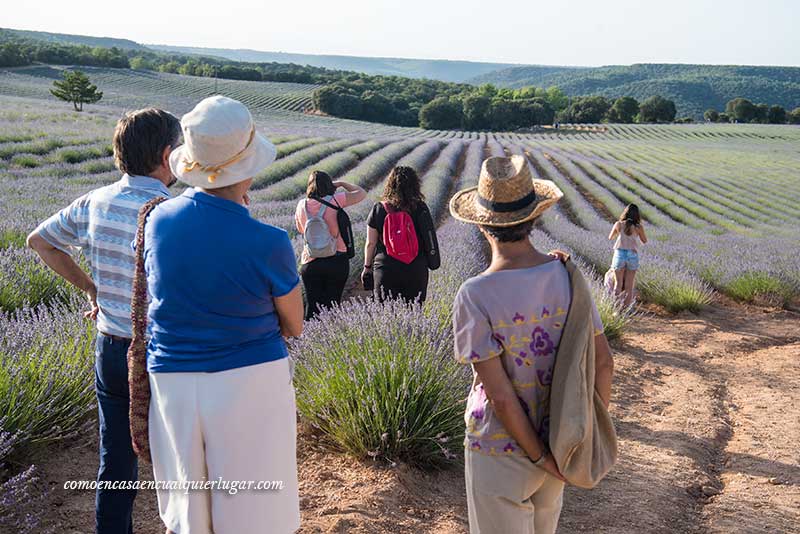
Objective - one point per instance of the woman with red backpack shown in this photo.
(401, 241)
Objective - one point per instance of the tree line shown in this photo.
(445, 106)
(18, 51)
(745, 111)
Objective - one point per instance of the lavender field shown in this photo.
(721, 204)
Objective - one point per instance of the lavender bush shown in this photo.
(26, 281)
(46, 372)
(380, 381)
(21, 494)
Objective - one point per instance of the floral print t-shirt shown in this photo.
(517, 315)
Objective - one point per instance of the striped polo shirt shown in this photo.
(102, 224)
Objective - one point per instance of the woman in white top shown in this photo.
(628, 231)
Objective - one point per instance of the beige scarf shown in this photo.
(582, 436)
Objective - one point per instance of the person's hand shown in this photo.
(91, 294)
(551, 467)
(367, 279)
(338, 184)
(560, 254)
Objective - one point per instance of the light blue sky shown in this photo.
(555, 32)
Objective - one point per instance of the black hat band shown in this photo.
(506, 207)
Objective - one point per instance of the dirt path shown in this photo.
(707, 413)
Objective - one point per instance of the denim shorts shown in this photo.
(625, 259)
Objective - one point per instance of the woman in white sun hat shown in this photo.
(225, 292)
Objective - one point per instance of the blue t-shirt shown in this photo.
(212, 272)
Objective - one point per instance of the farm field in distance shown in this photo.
(707, 366)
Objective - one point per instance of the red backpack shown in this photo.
(399, 235)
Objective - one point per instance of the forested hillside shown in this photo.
(435, 69)
(694, 88)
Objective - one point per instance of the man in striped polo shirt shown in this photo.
(102, 224)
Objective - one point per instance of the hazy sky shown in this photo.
(555, 32)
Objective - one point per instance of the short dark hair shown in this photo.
(320, 185)
(509, 234)
(141, 137)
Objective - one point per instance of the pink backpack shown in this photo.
(399, 235)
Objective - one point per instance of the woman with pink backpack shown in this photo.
(401, 241)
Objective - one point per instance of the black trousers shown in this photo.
(395, 279)
(324, 280)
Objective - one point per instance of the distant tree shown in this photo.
(794, 116)
(776, 115)
(535, 112)
(141, 63)
(441, 113)
(724, 117)
(377, 108)
(487, 89)
(75, 87)
(170, 66)
(624, 110)
(657, 109)
(711, 115)
(556, 98)
(13, 55)
(762, 111)
(476, 111)
(587, 109)
(740, 109)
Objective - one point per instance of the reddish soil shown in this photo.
(706, 407)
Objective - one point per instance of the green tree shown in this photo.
(587, 109)
(556, 98)
(476, 111)
(657, 109)
(75, 87)
(441, 113)
(776, 115)
(711, 115)
(762, 111)
(741, 109)
(624, 110)
(141, 63)
(794, 116)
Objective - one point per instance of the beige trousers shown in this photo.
(510, 495)
(237, 425)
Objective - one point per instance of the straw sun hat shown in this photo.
(506, 194)
(221, 146)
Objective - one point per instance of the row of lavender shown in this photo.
(739, 238)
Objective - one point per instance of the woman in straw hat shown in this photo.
(225, 292)
(508, 323)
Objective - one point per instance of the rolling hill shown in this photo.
(436, 69)
(694, 88)
(86, 40)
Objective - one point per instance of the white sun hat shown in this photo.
(221, 146)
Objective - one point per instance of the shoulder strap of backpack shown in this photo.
(326, 203)
(321, 211)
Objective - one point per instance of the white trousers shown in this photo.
(236, 425)
(510, 495)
